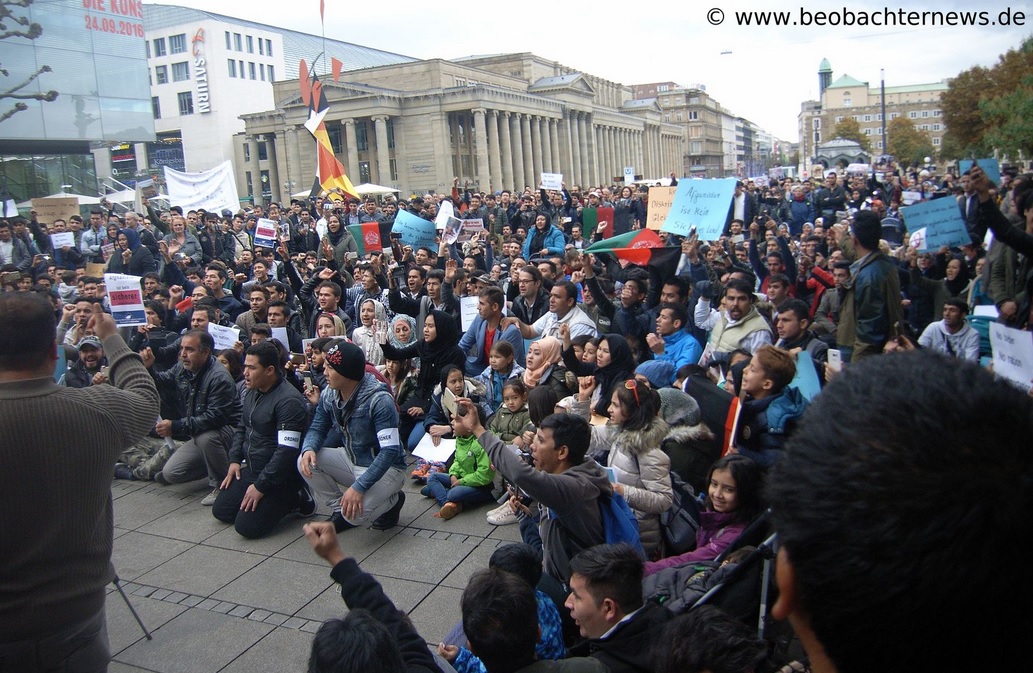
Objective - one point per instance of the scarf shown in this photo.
(551, 350)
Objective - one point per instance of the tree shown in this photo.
(906, 143)
(851, 130)
(1010, 120)
(20, 26)
(960, 105)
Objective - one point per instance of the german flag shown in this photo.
(642, 248)
(371, 236)
(330, 173)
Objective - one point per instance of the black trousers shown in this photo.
(273, 506)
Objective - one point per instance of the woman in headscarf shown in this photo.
(403, 333)
(337, 242)
(329, 325)
(542, 366)
(437, 349)
(131, 257)
(613, 362)
(372, 320)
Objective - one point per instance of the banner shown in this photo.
(553, 181)
(266, 234)
(660, 201)
(942, 221)
(1013, 354)
(126, 297)
(212, 190)
(701, 204)
(56, 208)
(415, 231)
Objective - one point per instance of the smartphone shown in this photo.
(835, 360)
(297, 359)
(461, 410)
(306, 379)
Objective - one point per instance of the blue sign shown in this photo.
(700, 204)
(942, 221)
(991, 167)
(414, 231)
(806, 379)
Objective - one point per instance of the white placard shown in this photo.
(126, 299)
(280, 334)
(266, 234)
(552, 181)
(224, 337)
(917, 239)
(467, 311)
(212, 190)
(445, 213)
(985, 310)
(62, 240)
(1013, 354)
(434, 454)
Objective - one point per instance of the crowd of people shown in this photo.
(574, 391)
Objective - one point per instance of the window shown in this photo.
(180, 71)
(936, 127)
(694, 100)
(147, 46)
(817, 137)
(879, 144)
(937, 113)
(229, 45)
(878, 117)
(250, 44)
(695, 131)
(393, 164)
(236, 42)
(159, 46)
(361, 139)
(847, 102)
(839, 119)
(269, 48)
(263, 152)
(267, 187)
(161, 74)
(867, 118)
(667, 117)
(156, 107)
(662, 88)
(894, 115)
(250, 183)
(261, 71)
(924, 127)
(233, 67)
(925, 113)
(391, 135)
(269, 71)
(186, 103)
(334, 133)
(460, 81)
(867, 132)
(364, 171)
(247, 151)
(878, 131)
(261, 47)
(695, 147)
(816, 123)
(240, 69)
(177, 43)
(251, 70)
(677, 115)
(936, 141)
(693, 115)
(912, 115)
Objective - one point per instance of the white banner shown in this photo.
(1013, 354)
(212, 190)
(224, 337)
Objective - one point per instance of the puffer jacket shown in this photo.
(209, 399)
(645, 472)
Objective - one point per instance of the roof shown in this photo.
(296, 45)
(847, 81)
(918, 88)
(553, 82)
(639, 103)
(824, 66)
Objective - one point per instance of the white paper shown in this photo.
(1013, 354)
(435, 454)
(445, 213)
(280, 334)
(224, 337)
(988, 310)
(64, 239)
(467, 311)
(10, 208)
(552, 181)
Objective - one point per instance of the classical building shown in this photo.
(847, 97)
(496, 122)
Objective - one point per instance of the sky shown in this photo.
(760, 73)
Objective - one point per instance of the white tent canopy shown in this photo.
(83, 199)
(367, 188)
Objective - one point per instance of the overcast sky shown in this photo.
(764, 78)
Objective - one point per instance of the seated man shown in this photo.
(895, 517)
(952, 336)
(91, 360)
(671, 342)
(371, 463)
(262, 484)
(742, 326)
(618, 628)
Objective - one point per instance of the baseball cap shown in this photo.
(89, 342)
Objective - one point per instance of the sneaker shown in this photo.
(449, 510)
(209, 499)
(306, 506)
(502, 516)
(425, 491)
(123, 471)
(389, 519)
(340, 523)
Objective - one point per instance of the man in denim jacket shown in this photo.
(371, 463)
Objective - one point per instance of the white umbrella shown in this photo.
(369, 188)
(124, 196)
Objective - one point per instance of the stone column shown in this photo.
(480, 132)
(273, 145)
(507, 151)
(383, 156)
(518, 152)
(525, 136)
(582, 139)
(601, 161)
(547, 163)
(494, 154)
(256, 174)
(296, 171)
(555, 144)
(575, 148)
(536, 149)
(352, 150)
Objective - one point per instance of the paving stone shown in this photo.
(136, 553)
(421, 560)
(123, 630)
(275, 618)
(476, 560)
(140, 508)
(285, 533)
(259, 615)
(208, 604)
(435, 616)
(294, 623)
(281, 650)
(201, 570)
(223, 607)
(191, 601)
(241, 611)
(191, 523)
(160, 594)
(359, 543)
(277, 585)
(311, 627)
(175, 597)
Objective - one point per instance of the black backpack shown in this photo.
(678, 525)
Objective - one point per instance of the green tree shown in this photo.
(960, 105)
(1010, 120)
(906, 143)
(851, 130)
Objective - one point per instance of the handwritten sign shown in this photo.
(991, 167)
(467, 311)
(552, 181)
(55, 208)
(471, 229)
(660, 201)
(266, 233)
(126, 299)
(700, 203)
(62, 240)
(224, 337)
(1013, 354)
(941, 220)
(414, 231)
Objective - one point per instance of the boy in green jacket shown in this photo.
(468, 481)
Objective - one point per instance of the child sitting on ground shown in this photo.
(438, 421)
(468, 482)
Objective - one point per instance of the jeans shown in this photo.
(204, 455)
(441, 489)
(334, 470)
(274, 505)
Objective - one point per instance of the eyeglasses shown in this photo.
(632, 385)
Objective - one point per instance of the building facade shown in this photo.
(847, 97)
(495, 122)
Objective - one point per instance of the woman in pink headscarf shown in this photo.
(543, 366)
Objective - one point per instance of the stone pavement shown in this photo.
(215, 601)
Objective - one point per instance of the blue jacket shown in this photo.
(765, 425)
(681, 348)
(368, 422)
(554, 241)
(472, 345)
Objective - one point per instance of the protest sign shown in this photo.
(700, 203)
(213, 190)
(552, 181)
(55, 208)
(991, 167)
(446, 212)
(10, 208)
(917, 239)
(1013, 354)
(306, 347)
(806, 379)
(910, 198)
(941, 220)
(434, 453)
(266, 234)
(470, 230)
(280, 334)
(224, 337)
(126, 299)
(62, 240)
(95, 270)
(467, 311)
(660, 201)
(414, 231)
(453, 228)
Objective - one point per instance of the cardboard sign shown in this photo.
(703, 204)
(991, 167)
(942, 221)
(660, 201)
(553, 181)
(95, 270)
(55, 208)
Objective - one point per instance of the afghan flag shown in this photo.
(591, 218)
(642, 248)
(371, 236)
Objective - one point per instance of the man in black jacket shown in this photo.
(262, 484)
